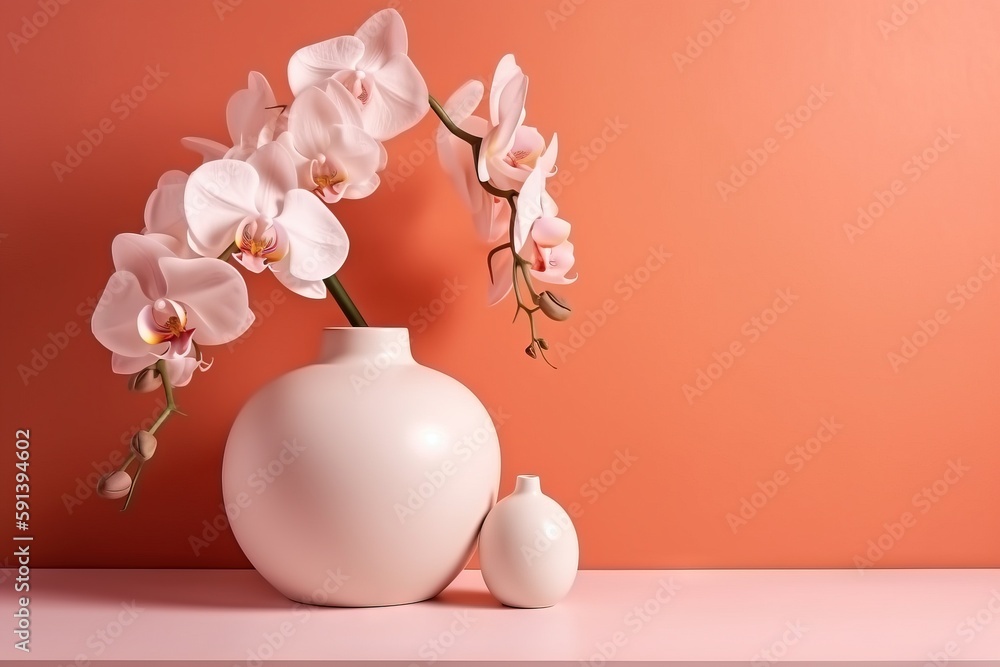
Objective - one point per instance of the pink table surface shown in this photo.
(703, 617)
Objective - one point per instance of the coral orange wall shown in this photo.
(726, 393)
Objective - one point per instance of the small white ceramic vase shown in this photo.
(528, 548)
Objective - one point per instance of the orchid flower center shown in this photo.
(259, 243)
(165, 321)
(361, 89)
(326, 174)
(324, 181)
(517, 157)
(174, 325)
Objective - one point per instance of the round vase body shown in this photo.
(361, 480)
(528, 548)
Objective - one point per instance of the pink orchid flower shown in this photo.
(334, 157)
(510, 149)
(505, 170)
(374, 68)
(157, 306)
(252, 118)
(539, 237)
(275, 224)
(164, 214)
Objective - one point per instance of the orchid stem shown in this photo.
(171, 407)
(131, 489)
(168, 393)
(127, 463)
(343, 299)
(470, 139)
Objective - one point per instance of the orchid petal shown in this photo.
(277, 175)
(500, 138)
(251, 263)
(529, 207)
(164, 214)
(558, 262)
(464, 101)
(312, 112)
(311, 65)
(177, 247)
(383, 156)
(549, 206)
(454, 154)
(164, 211)
(114, 318)
(139, 254)
(180, 371)
(247, 111)
(214, 294)
(384, 35)
(493, 219)
(506, 70)
(502, 264)
(218, 196)
(208, 150)
(547, 160)
(511, 110)
(363, 189)
(124, 365)
(311, 289)
(356, 152)
(549, 232)
(274, 129)
(317, 242)
(241, 152)
(398, 100)
(348, 108)
(303, 164)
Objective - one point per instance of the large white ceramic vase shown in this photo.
(363, 479)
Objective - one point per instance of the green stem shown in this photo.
(168, 392)
(171, 407)
(343, 299)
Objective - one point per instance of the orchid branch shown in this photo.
(169, 409)
(168, 395)
(521, 266)
(343, 299)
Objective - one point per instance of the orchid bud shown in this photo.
(115, 485)
(530, 351)
(146, 380)
(553, 307)
(144, 445)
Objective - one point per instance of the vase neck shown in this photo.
(381, 346)
(528, 484)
